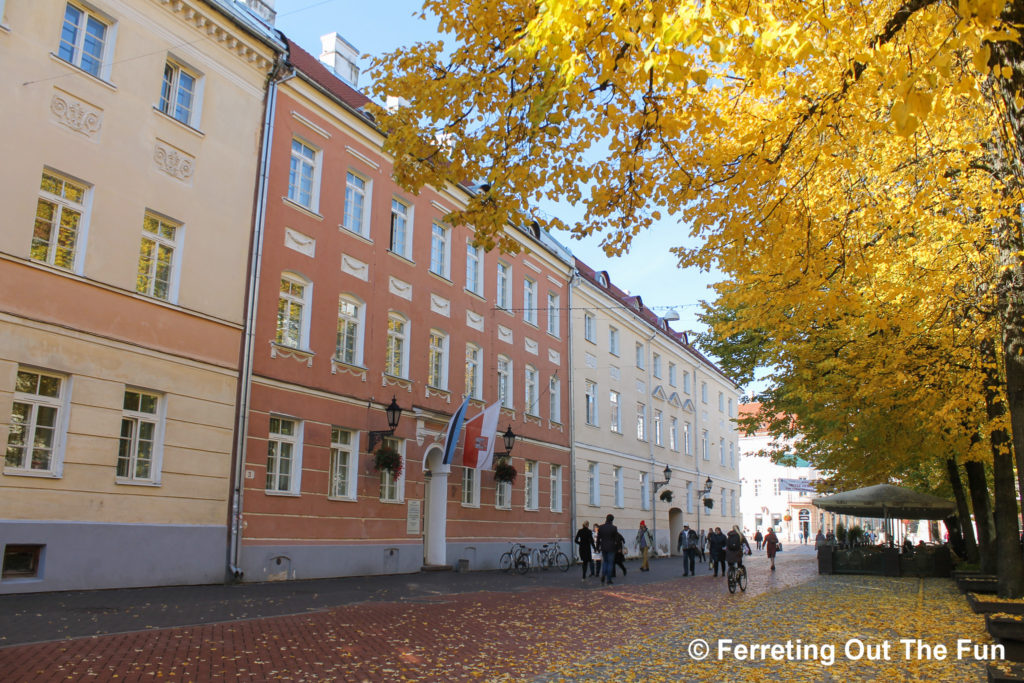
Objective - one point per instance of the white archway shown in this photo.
(435, 508)
(675, 525)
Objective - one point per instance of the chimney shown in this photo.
(341, 57)
(264, 9)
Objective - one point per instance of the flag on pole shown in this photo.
(478, 450)
(452, 433)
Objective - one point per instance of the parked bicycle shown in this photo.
(516, 558)
(737, 576)
(550, 555)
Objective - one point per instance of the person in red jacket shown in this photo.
(771, 544)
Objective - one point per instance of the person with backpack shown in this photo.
(734, 543)
(716, 543)
(689, 540)
(771, 544)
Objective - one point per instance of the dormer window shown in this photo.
(602, 279)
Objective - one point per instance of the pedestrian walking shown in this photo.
(607, 539)
(819, 540)
(701, 544)
(771, 544)
(620, 554)
(758, 538)
(585, 544)
(689, 547)
(716, 545)
(644, 541)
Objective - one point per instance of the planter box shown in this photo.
(1013, 672)
(960, 573)
(993, 606)
(1009, 633)
(978, 584)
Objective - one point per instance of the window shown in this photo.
(473, 353)
(645, 491)
(775, 487)
(156, 277)
(392, 488)
(721, 450)
(732, 413)
(138, 448)
(34, 440)
(686, 382)
(357, 214)
(351, 314)
(657, 428)
(60, 217)
(594, 483)
(503, 495)
(505, 382)
(440, 251)
(21, 561)
(640, 356)
(687, 442)
(553, 309)
(531, 391)
(530, 484)
(723, 501)
(344, 451)
(641, 421)
(704, 392)
(474, 269)
(616, 412)
(672, 374)
(401, 229)
(555, 399)
(732, 503)
(732, 455)
(84, 40)
(471, 486)
(620, 498)
(179, 93)
(292, 304)
(704, 445)
(590, 403)
(437, 360)
(503, 294)
(283, 456)
(589, 327)
(530, 301)
(689, 497)
(721, 402)
(613, 341)
(304, 175)
(556, 488)
(656, 365)
(396, 351)
(757, 487)
(673, 433)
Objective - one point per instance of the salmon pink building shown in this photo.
(365, 295)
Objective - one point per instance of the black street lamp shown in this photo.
(394, 414)
(509, 438)
(668, 475)
(703, 493)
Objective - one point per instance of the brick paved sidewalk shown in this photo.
(442, 635)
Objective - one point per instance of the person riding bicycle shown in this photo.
(734, 547)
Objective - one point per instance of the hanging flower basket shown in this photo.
(389, 459)
(709, 503)
(787, 518)
(666, 496)
(504, 472)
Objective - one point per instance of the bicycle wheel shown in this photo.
(732, 580)
(741, 579)
(562, 561)
(522, 563)
(505, 562)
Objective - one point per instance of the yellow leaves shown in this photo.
(981, 58)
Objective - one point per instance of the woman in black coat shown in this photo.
(585, 543)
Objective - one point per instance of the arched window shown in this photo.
(396, 360)
(437, 360)
(473, 360)
(531, 391)
(351, 317)
(505, 382)
(293, 305)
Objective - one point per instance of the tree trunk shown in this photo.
(956, 539)
(963, 514)
(978, 488)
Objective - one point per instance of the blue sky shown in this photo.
(374, 28)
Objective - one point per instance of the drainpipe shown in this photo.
(248, 337)
(569, 380)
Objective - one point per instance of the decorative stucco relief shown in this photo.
(614, 372)
(475, 320)
(505, 334)
(400, 287)
(554, 357)
(440, 305)
(295, 240)
(355, 267)
(531, 346)
(75, 114)
(590, 360)
(173, 161)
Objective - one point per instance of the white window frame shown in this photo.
(732, 412)
(304, 303)
(613, 340)
(169, 105)
(641, 356)
(732, 455)
(589, 328)
(530, 485)
(295, 462)
(506, 388)
(470, 487)
(474, 365)
(530, 301)
(392, 490)
(398, 338)
(77, 52)
(686, 382)
(297, 158)
(703, 392)
(555, 399)
(732, 503)
(672, 374)
(400, 241)
(338, 447)
(159, 240)
(723, 501)
(687, 438)
(620, 489)
(704, 445)
(645, 491)
(361, 226)
(721, 402)
(554, 307)
(35, 401)
(61, 205)
(556, 488)
(440, 250)
(673, 433)
(721, 450)
(503, 495)
(355, 322)
(641, 422)
(590, 403)
(656, 365)
(689, 497)
(503, 291)
(531, 392)
(594, 483)
(656, 426)
(474, 268)
(137, 417)
(437, 360)
(615, 411)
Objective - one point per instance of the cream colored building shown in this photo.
(132, 131)
(644, 399)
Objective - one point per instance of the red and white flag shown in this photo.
(481, 433)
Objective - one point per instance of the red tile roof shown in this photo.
(325, 78)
